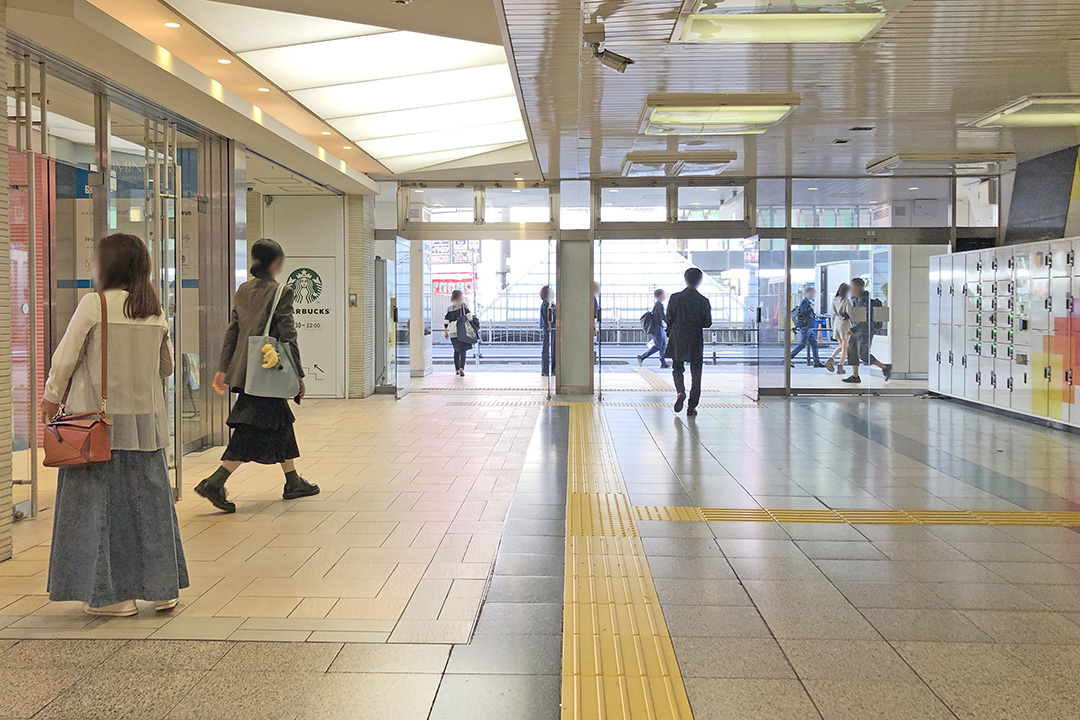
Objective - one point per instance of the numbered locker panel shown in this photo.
(1003, 383)
(986, 380)
(957, 355)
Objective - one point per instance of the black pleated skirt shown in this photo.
(262, 431)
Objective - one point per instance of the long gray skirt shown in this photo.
(115, 534)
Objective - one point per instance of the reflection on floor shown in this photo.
(766, 619)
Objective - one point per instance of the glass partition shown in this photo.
(442, 205)
(717, 203)
(977, 202)
(517, 205)
(872, 202)
(772, 203)
(633, 204)
(574, 204)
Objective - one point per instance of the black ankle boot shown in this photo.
(298, 487)
(214, 490)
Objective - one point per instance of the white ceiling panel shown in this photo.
(241, 28)
(447, 117)
(443, 88)
(458, 138)
(410, 163)
(369, 57)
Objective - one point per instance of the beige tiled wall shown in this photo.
(5, 325)
(360, 247)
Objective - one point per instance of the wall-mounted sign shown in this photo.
(313, 282)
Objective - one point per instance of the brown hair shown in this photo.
(124, 264)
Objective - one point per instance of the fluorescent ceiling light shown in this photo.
(438, 117)
(224, 61)
(715, 114)
(960, 163)
(659, 164)
(264, 89)
(793, 21)
(172, 25)
(1059, 110)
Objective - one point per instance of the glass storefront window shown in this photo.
(517, 205)
(633, 204)
(726, 202)
(448, 205)
(890, 202)
(771, 203)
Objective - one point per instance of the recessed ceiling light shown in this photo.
(614, 189)
(873, 202)
(418, 190)
(913, 188)
(346, 147)
(961, 163)
(264, 89)
(224, 61)
(172, 25)
(326, 132)
(811, 188)
(516, 190)
(678, 164)
(1058, 110)
(715, 113)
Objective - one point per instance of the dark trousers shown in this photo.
(658, 345)
(678, 369)
(547, 352)
(859, 351)
(460, 351)
(807, 339)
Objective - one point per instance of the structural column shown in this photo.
(5, 325)
(575, 338)
(360, 263)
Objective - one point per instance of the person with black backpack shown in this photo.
(653, 323)
(862, 333)
(805, 324)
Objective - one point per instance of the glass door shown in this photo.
(400, 316)
(774, 324)
(751, 318)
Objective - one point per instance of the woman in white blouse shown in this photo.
(841, 327)
(115, 534)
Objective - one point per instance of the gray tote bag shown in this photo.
(280, 381)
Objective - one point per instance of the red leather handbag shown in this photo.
(82, 439)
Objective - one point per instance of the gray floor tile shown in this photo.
(690, 567)
(59, 653)
(863, 570)
(520, 619)
(700, 591)
(533, 545)
(748, 530)
(508, 654)
(954, 662)
(713, 622)
(367, 697)
(668, 529)
(825, 531)
(1037, 573)
(846, 660)
(1063, 598)
(27, 690)
(1001, 552)
(168, 654)
(710, 657)
(986, 596)
(925, 625)
(391, 658)
(498, 697)
(876, 700)
(517, 588)
(531, 565)
(255, 657)
(681, 547)
(231, 695)
(891, 595)
(127, 693)
(775, 568)
(722, 699)
(839, 550)
(759, 547)
(1046, 628)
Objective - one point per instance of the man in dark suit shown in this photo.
(688, 313)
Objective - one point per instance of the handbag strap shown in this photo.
(104, 359)
(273, 309)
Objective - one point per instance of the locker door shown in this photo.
(946, 268)
(986, 380)
(971, 377)
(1021, 383)
(1061, 258)
(934, 366)
(959, 275)
(1040, 309)
(1002, 383)
(1057, 341)
(957, 356)
(945, 365)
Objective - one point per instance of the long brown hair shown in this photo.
(124, 264)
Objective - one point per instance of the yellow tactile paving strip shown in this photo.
(655, 381)
(618, 660)
(862, 517)
(564, 403)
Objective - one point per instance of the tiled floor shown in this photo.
(435, 507)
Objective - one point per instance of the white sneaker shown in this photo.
(164, 605)
(126, 608)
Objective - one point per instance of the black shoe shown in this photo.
(679, 402)
(852, 379)
(665, 367)
(691, 412)
(217, 496)
(887, 371)
(819, 365)
(299, 488)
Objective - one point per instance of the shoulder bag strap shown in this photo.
(273, 309)
(104, 360)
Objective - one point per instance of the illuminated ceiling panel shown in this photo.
(1060, 110)
(769, 21)
(396, 94)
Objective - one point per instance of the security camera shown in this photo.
(612, 60)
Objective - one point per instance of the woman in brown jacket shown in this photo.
(262, 427)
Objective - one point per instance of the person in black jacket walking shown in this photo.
(805, 319)
(688, 313)
(547, 331)
(657, 320)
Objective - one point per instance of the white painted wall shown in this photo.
(313, 226)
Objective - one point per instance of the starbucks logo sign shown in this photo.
(306, 285)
